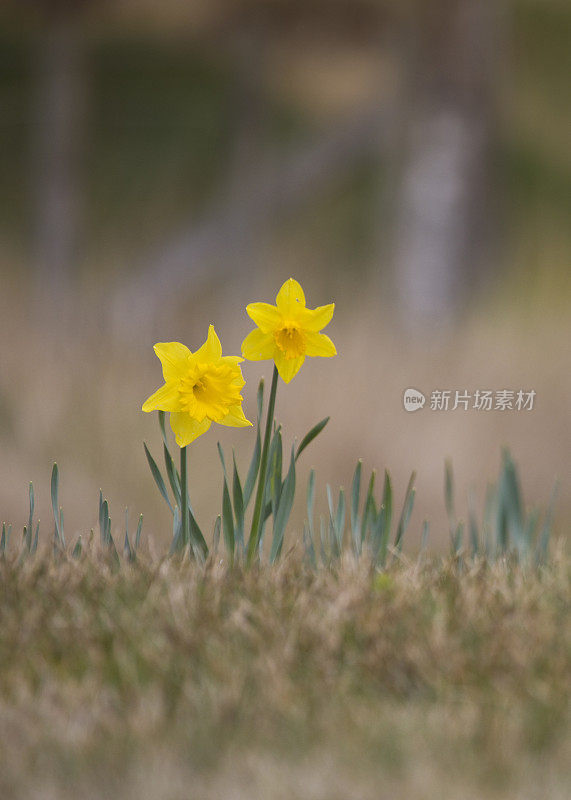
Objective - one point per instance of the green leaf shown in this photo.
(310, 436)
(104, 522)
(238, 498)
(382, 529)
(127, 551)
(311, 501)
(172, 475)
(156, 473)
(275, 473)
(284, 510)
(424, 537)
(177, 544)
(322, 548)
(216, 534)
(473, 526)
(370, 510)
(162, 418)
(57, 512)
(355, 499)
(138, 533)
(76, 552)
(3, 540)
(405, 513)
(227, 522)
(309, 546)
(253, 470)
(511, 497)
(36, 537)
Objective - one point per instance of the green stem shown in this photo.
(184, 498)
(254, 540)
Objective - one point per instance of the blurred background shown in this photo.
(164, 164)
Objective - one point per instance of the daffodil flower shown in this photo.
(288, 331)
(200, 388)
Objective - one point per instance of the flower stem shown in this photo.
(254, 540)
(184, 498)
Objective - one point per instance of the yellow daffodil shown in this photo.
(288, 331)
(200, 388)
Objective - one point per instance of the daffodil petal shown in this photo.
(317, 318)
(235, 418)
(186, 429)
(319, 344)
(287, 367)
(290, 298)
(258, 346)
(265, 316)
(174, 358)
(167, 398)
(211, 350)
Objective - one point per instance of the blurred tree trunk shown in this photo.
(443, 210)
(58, 137)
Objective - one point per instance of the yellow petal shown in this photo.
(287, 367)
(235, 418)
(174, 358)
(317, 318)
(211, 350)
(186, 429)
(265, 316)
(257, 346)
(318, 344)
(290, 298)
(167, 398)
(233, 361)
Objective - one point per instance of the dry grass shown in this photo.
(169, 681)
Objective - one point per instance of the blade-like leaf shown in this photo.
(311, 501)
(424, 537)
(284, 510)
(310, 436)
(172, 475)
(156, 473)
(355, 498)
(253, 470)
(275, 473)
(216, 534)
(58, 515)
(76, 552)
(369, 512)
(227, 522)
(238, 498)
(138, 533)
(406, 512)
(177, 543)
